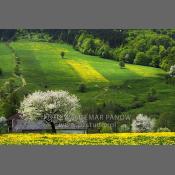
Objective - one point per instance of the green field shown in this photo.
(44, 69)
(6, 62)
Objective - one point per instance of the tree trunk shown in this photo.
(53, 127)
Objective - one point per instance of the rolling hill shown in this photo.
(43, 69)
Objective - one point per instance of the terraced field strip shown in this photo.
(24, 83)
(6, 62)
(145, 71)
(87, 72)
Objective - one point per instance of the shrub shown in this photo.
(142, 59)
(127, 55)
(153, 54)
(18, 61)
(92, 130)
(137, 104)
(152, 95)
(170, 79)
(0, 71)
(2, 120)
(155, 61)
(104, 128)
(62, 54)
(167, 78)
(11, 94)
(82, 88)
(172, 71)
(124, 128)
(112, 108)
(3, 125)
(121, 64)
(163, 130)
(17, 70)
(142, 124)
(166, 120)
(104, 51)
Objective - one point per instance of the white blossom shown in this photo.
(3, 120)
(51, 106)
(172, 71)
(143, 124)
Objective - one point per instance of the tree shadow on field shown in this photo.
(31, 68)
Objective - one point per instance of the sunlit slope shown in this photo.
(44, 69)
(42, 65)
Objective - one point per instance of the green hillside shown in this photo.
(6, 62)
(43, 68)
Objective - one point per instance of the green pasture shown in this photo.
(44, 69)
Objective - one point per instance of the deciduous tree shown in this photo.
(142, 123)
(53, 107)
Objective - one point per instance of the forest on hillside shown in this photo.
(148, 47)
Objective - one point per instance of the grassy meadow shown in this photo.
(6, 62)
(43, 69)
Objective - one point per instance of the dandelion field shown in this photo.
(87, 72)
(164, 138)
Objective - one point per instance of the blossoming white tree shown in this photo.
(172, 71)
(3, 120)
(142, 124)
(53, 107)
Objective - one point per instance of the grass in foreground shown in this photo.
(167, 138)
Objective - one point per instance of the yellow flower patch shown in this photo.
(46, 47)
(86, 71)
(89, 139)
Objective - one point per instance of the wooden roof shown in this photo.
(15, 116)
